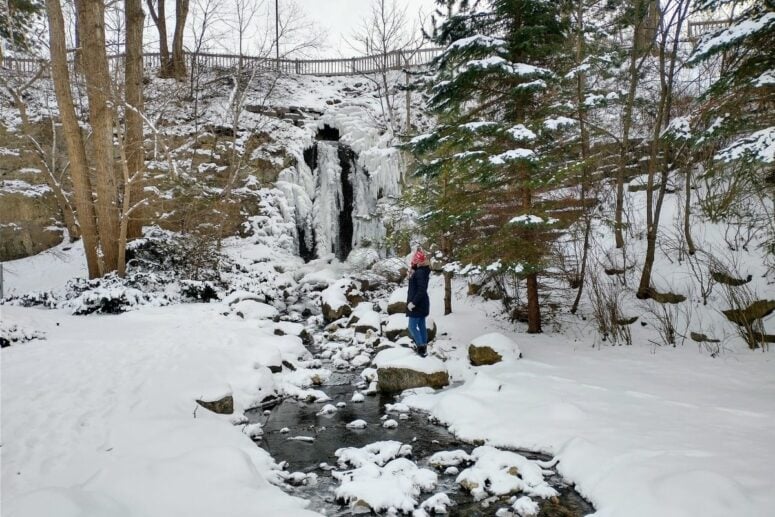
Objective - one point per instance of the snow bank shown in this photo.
(100, 418)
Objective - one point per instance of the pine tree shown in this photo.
(493, 154)
(734, 122)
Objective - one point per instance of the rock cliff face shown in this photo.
(30, 219)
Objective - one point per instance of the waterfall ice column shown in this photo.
(332, 208)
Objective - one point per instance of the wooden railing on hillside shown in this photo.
(396, 60)
(697, 29)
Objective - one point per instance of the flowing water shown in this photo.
(293, 418)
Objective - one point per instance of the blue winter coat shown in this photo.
(418, 293)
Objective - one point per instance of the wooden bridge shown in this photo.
(396, 60)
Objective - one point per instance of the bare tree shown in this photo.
(133, 95)
(672, 18)
(387, 35)
(82, 190)
(172, 65)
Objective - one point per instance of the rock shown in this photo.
(393, 269)
(360, 506)
(288, 365)
(663, 297)
(492, 348)
(397, 301)
(483, 355)
(363, 258)
(397, 327)
(222, 406)
(332, 314)
(393, 380)
(400, 369)
(726, 279)
(627, 321)
(702, 338)
(613, 271)
(357, 424)
(757, 310)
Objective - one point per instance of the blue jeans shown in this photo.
(417, 331)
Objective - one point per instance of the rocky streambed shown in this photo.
(363, 451)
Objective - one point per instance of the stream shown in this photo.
(291, 419)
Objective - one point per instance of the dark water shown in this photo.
(422, 434)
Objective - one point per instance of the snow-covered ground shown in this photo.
(642, 430)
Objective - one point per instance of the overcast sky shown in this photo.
(339, 18)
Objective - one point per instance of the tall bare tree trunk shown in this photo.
(91, 17)
(159, 17)
(82, 191)
(585, 151)
(133, 144)
(178, 65)
(667, 67)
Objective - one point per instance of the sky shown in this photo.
(339, 18)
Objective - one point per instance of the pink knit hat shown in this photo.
(418, 257)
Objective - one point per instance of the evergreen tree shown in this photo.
(734, 122)
(494, 151)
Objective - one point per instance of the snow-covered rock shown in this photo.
(397, 301)
(492, 348)
(399, 369)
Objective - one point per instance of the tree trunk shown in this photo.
(585, 152)
(533, 305)
(653, 211)
(159, 16)
(91, 16)
(82, 191)
(447, 293)
(133, 144)
(178, 65)
(687, 211)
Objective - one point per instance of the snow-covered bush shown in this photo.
(192, 256)
(11, 333)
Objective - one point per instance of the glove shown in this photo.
(410, 306)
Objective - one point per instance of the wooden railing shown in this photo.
(697, 29)
(396, 60)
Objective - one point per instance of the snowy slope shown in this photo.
(642, 431)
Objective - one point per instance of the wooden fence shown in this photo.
(396, 60)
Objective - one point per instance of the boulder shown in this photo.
(492, 348)
(400, 369)
(393, 269)
(397, 327)
(397, 301)
(339, 298)
(483, 355)
(757, 310)
(222, 406)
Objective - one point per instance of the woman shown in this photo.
(417, 301)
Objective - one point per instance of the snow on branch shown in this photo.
(738, 31)
(758, 146)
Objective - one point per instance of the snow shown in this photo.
(382, 478)
(407, 358)
(504, 345)
(511, 155)
(251, 309)
(494, 472)
(100, 419)
(521, 133)
(357, 424)
(555, 123)
(759, 146)
(736, 32)
(334, 295)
